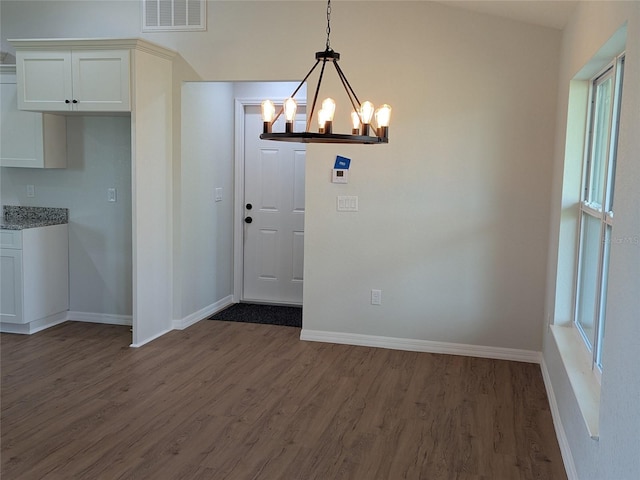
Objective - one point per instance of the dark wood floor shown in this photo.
(242, 401)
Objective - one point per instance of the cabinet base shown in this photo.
(35, 326)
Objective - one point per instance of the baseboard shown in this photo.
(111, 319)
(413, 345)
(151, 339)
(35, 326)
(106, 318)
(563, 442)
(203, 313)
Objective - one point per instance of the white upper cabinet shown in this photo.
(28, 139)
(101, 80)
(76, 79)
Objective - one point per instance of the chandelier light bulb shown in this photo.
(322, 120)
(355, 123)
(268, 114)
(290, 107)
(268, 111)
(366, 114)
(383, 115)
(329, 106)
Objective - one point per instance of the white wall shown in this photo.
(99, 157)
(204, 279)
(152, 196)
(615, 454)
(453, 214)
(206, 227)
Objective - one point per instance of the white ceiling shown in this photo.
(547, 13)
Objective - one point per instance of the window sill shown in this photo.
(584, 381)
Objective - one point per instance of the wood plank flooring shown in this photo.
(224, 400)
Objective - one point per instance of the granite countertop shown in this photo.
(19, 218)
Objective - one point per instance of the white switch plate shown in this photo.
(31, 191)
(347, 203)
(218, 194)
(112, 195)
(376, 297)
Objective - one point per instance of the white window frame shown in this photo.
(602, 211)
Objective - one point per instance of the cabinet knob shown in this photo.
(75, 101)
(67, 101)
(249, 206)
(248, 220)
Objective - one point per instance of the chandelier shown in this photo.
(362, 115)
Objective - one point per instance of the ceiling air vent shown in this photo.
(173, 15)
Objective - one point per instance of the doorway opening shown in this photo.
(269, 204)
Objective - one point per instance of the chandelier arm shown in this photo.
(281, 111)
(315, 96)
(347, 87)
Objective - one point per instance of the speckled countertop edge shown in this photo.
(19, 218)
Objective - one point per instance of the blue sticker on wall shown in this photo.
(342, 163)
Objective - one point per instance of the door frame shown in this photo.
(238, 202)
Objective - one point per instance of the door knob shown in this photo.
(249, 206)
(248, 220)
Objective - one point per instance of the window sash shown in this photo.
(596, 209)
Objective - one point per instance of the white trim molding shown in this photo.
(203, 313)
(111, 319)
(151, 339)
(35, 326)
(428, 346)
(105, 318)
(563, 442)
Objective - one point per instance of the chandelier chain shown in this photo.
(328, 24)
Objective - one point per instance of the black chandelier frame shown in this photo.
(324, 57)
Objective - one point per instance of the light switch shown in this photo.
(376, 297)
(347, 203)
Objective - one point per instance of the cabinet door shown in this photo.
(101, 81)
(45, 269)
(44, 80)
(22, 134)
(11, 286)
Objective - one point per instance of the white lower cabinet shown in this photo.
(34, 271)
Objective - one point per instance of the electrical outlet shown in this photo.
(218, 197)
(31, 191)
(376, 297)
(112, 195)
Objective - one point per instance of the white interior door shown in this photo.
(274, 214)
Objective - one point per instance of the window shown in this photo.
(173, 15)
(596, 207)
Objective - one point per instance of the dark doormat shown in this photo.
(256, 313)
